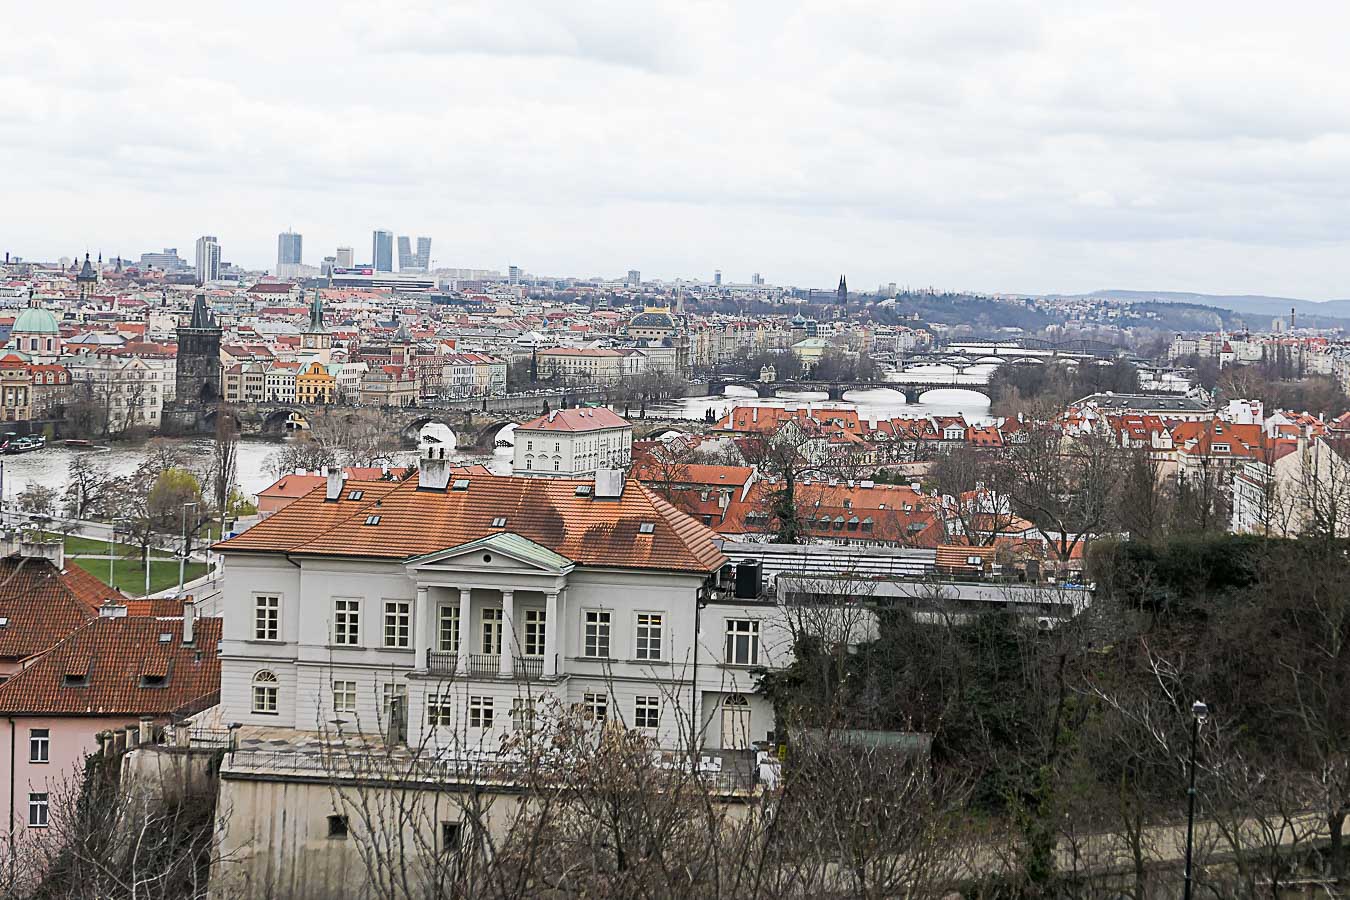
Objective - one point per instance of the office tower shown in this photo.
(290, 252)
(168, 261)
(326, 269)
(414, 262)
(382, 251)
(757, 279)
(717, 278)
(346, 258)
(208, 259)
(634, 278)
(513, 274)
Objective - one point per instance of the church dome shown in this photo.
(35, 320)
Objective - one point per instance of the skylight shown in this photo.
(460, 484)
(499, 522)
(372, 520)
(356, 495)
(646, 528)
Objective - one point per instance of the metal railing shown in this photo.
(442, 662)
(446, 662)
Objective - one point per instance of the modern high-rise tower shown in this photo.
(290, 253)
(208, 259)
(382, 251)
(414, 262)
(346, 258)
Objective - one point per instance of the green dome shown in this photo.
(35, 320)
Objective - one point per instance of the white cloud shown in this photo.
(992, 145)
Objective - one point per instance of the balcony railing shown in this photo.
(446, 662)
(442, 662)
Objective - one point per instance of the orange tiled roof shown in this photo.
(115, 653)
(41, 604)
(413, 522)
(575, 420)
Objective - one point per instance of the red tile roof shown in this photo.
(41, 604)
(115, 653)
(414, 522)
(575, 420)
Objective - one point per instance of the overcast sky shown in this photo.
(1001, 146)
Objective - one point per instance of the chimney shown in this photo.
(52, 551)
(1303, 434)
(145, 733)
(189, 622)
(608, 484)
(334, 484)
(433, 469)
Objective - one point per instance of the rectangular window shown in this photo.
(265, 699)
(440, 709)
(647, 712)
(649, 635)
(397, 623)
(492, 631)
(595, 706)
(347, 622)
(534, 632)
(37, 810)
(39, 745)
(338, 827)
(742, 642)
(522, 713)
(452, 837)
(597, 634)
(266, 617)
(480, 712)
(344, 696)
(449, 629)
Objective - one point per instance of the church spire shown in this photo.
(842, 293)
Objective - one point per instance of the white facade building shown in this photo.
(442, 612)
(572, 443)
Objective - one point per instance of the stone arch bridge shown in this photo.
(474, 428)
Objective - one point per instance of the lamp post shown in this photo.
(1199, 713)
(182, 557)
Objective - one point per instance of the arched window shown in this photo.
(265, 693)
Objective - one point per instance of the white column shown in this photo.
(423, 627)
(559, 627)
(465, 633)
(551, 623)
(508, 661)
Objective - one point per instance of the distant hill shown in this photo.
(1327, 313)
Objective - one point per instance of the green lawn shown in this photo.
(83, 546)
(129, 576)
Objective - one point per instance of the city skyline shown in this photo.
(995, 147)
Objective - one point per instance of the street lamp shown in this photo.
(1199, 713)
(182, 558)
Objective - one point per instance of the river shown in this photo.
(51, 466)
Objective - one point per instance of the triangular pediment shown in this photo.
(489, 553)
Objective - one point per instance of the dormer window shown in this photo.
(75, 681)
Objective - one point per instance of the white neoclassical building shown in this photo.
(572, 443)
(442, 610)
